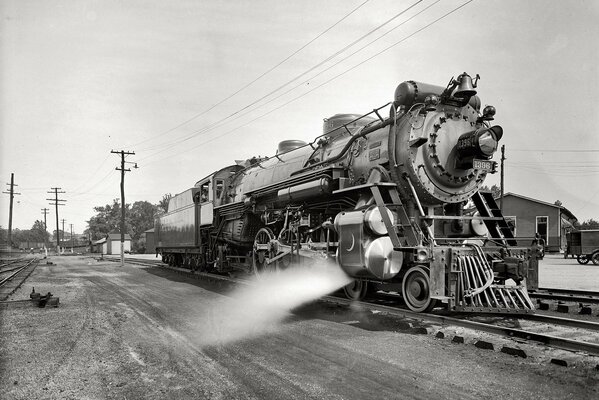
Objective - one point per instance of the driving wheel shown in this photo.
(264, 249)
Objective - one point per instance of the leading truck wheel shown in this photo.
(416, 290)
(582, 259)
(595, 258)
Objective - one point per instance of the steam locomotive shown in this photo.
(393, 199)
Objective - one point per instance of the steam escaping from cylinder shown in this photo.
(262, 306)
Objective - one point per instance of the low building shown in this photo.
(530, 216)
(111, 244)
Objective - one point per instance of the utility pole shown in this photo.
(123, 170)
(71, 237)
(57, 202)
(45, 212)
(502, 183)
(62, 234)
(12, 196)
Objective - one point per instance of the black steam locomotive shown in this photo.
(394, 199)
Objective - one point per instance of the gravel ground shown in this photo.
(559, 273)
(142, 333)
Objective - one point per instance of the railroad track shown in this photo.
(578, 296)
(13, 274)
(569, 334)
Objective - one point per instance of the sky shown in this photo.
(189, 86)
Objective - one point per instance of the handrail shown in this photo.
(383, 123)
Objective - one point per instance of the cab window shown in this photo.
(219, 188)
(204, 192)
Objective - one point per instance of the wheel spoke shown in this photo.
(263, 251)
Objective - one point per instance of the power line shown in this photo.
(222, 121)
(326, 82)
(258, 78)
(556, 151)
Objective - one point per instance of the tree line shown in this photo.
(139, 217)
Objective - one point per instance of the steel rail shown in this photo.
(571, 322)
(6, 263)
(554, 341)
(583, 296)
(8, 278)
(571, 291)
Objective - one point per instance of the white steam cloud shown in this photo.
(260, 307)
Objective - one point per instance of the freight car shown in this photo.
(393, 199)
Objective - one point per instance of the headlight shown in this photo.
(487, 143)
(479, 143)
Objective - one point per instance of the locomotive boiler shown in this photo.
(392, 195)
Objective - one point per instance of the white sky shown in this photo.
(81, 78)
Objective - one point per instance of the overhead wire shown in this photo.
(240, 113)
(329, 80)
(557, 150)
(236, 92)
(259, 77)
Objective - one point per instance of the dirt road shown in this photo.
(143, 333)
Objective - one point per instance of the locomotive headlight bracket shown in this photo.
(479, 144)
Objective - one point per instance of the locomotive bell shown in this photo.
(465, 89)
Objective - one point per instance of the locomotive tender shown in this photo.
(390, 198)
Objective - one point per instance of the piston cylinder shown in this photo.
(360, 254)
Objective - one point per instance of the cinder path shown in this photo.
(140, 333)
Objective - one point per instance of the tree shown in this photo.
(163, 204)
(141, 216)
(496, 190)
(38, 232)
(588, 224)
(107, 220)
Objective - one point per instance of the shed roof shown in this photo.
(117, 236)
(563, 209)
